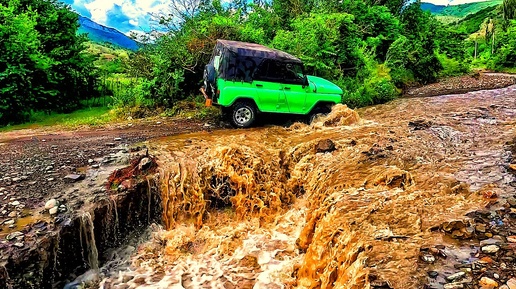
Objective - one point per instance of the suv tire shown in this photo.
(243, 114)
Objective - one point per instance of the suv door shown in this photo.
(293, 88)
(267, 81)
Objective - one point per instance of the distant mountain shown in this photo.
(102, 34)
(458, 11)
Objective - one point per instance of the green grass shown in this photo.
(93, 116)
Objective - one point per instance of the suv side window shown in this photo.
(270, 70)
(293, 73)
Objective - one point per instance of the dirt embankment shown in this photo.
(463, 84)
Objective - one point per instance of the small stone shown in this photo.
(50, 204)
(110, 144)
(50, 179)
(53, 211)
(158, 122)
(49, 168)
(9, 222)
(511, 283)
(12, 214)
(90, 161)
(490, 241)
(15, 203)
(511, 239)
(19, 244)
(144, 164)
(95, 166)
(512, 167)
(487, 283)
(14, 235)
(325, 146)
(62, 209)
(453, 286)
(433, 274)
(504, 287)
(489, 235)
(480, 228)
(16, 180)
(455, 277)
(490, 249)
(71, 178)
(117, 139)
(428, 258)
(496, 276)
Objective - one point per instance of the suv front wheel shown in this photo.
(243, 114)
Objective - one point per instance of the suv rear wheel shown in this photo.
(243, 114)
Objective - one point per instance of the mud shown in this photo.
(280, 207)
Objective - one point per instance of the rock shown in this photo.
(455, 277)
(511, 283)
(17, 235)
(49, 168)
(12, 214)
(144, 164)
(511, 201)
(16, 180)
(490, 241)
(9, 222)
(496, 276)
(512, 167)
(480, 228)
(325, 146)
(453, 286)
(487, 283)
(53, 211)
(428, 258)
(490, 249)
(95, 166)
(117, 139)
(50, 204)
(90, 161)
(511, 239)
(71, 178)
(19, 244)
(15, 203)
(503, 287)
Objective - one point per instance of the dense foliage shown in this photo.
(42, 67)
(370, 48)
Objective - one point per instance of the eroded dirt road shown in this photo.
(34, 163)
(414, 193)
(417, 192)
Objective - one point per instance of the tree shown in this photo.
(509, 9)
(42, 66)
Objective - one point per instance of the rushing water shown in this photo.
(342, 203)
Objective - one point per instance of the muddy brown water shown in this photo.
(347, 202)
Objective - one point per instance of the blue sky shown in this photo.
(134, 15)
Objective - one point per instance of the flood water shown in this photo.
(344, 202)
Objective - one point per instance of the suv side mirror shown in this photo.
(305, 81)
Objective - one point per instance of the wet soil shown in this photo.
(33, 163)
(412, 157)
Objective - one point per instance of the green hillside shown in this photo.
(459, 11)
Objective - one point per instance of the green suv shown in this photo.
(246, 79)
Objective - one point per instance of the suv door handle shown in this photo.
(286, 88)
(259, 85)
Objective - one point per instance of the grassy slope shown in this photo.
(459, 11)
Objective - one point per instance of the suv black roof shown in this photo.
(256, 50)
